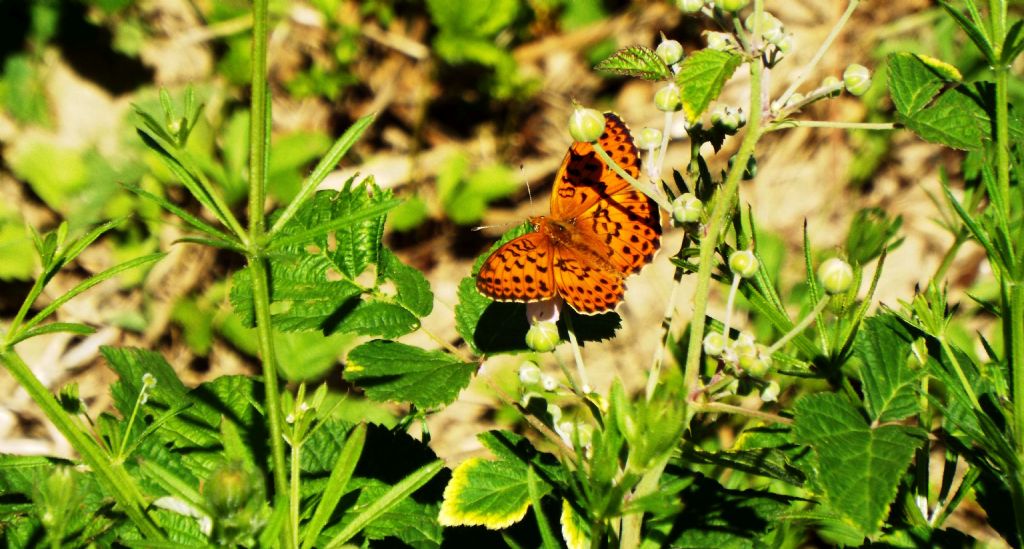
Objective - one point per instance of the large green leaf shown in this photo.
(394, 371)
(883, 346)
(859, 467)
(342, 280)
(701, 78)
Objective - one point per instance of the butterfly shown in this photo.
(600, 230)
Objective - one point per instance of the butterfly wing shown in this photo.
(520, 270)
(614, 219)
(585, 284)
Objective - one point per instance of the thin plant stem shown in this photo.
(838, 125)
(664, 145)
(581, 369)
(259, 131)
(944, 344)
(729, 304)
(293, 494)
(806, 71)
(666, 332)
(1016, 356)
(648, 189)
(722, 407)
(119, 458)
(112, 476)
(801, 326)
(723, 202)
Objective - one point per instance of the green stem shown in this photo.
(33, 294)
(801, 326)
(960, 374)
(736, 279)
(717, 221)
(666, 327)
(265, 341)
(119, 458)
(293, 496)
(827, 124)
(1003, 137)
(1015, 316)
(646, 188)
(629, 536)
(721, 407)
(581, 369)
(259, 121)
(809, 67)
(111, 476)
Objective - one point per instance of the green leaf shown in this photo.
(55, 327)
(391, 501)
(638, 61)
(131, 364)
(974, 31)
(859, 467)
(472, 18)
(765, 462)
(701, 78)
(493, 494)
(341, 280)
(912, 84)
(341, 473)
(465, 194)
(411, 213)
(883, 345)
(402, 373)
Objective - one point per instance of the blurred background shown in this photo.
(472, 99)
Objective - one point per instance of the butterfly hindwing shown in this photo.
(584, 284)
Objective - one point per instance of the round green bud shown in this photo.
(835, 275)
(542, 337)
(229, 488)
(529, 373)
(768, 22)
(668, 98)
(745, 345)
(733, 5)
(687, 208)
(857, 79)
(548, 383)
(721, 41)
(771, 392)
(670, 51)
(774, 36)
(754, 365)
(714, 344)
(743, 263)
(831, 82)
(648, 138)
(586, 125)
(728, 118)
(689, 6)
(785, 44)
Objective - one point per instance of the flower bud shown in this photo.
(670, 51)
(754, 365)
(857, 79)
(785, 44)
(648, 138)
(835, 275)
(714, 344)
(687, 208)
(229, 488)
(771, 392)
(743, 263)
(768, 22)
(529, 373)
(542, 337)
(831, 82)
(733, 5)
(721, 41)
(549, 383)
(668, 98)
(586, 125)
(689, 6)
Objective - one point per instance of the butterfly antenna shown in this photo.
(526, 180)
(482, 227)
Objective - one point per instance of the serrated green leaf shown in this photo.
(338, 282)
(858, 467)
(765, 462)
(954, 120)
(575, 530)
(340, 475)
(883, 345)
(493, 494)
(402, 373)
(701, 78)
(912, 85)
(131, 365)
(638, 61)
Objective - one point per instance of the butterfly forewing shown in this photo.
(520, 270)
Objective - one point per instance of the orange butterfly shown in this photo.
(600, 230)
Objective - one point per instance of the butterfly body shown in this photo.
(600, 230)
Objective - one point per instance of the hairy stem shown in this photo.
(581, 369)
(112, 476)
(806, 71)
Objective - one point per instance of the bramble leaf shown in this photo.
(701, 78)
(883, 345)
(858, 467)
(638, 61)
(342, 281)
(493, 494)
(393, 371)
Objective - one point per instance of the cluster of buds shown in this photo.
(742, 355)
(777, 41)
(728, 118)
